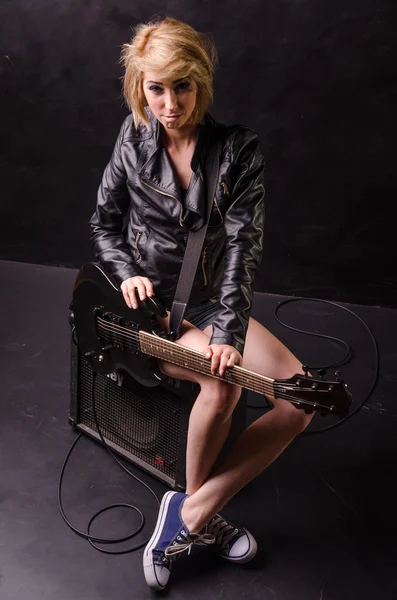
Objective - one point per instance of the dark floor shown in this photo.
(323, 513)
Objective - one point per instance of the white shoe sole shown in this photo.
(149, 568)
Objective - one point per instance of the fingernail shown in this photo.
(134, 306)
(208, 355)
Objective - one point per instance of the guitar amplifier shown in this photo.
(146, 425)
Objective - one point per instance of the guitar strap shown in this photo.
(194, 244)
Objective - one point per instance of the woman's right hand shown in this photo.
(136, 285)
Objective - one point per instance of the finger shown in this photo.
(216, 358)
(132, 293)
(208, 352)
(126, 296)
(132, 296)
(149, 287)
(223, 362)
(140, 286)
(234, 359)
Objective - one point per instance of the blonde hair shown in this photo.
(175, 50)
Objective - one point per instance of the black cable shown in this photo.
(346, 358)
(86, 535)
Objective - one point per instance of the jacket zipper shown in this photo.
(203, 261)
(216, 204)
(138, 235)
(169, 195)
(225, 189)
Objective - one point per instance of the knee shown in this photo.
(220, 398)
(293, 418)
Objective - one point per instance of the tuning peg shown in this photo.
(305, 369)
(337, 375)
(321, 373)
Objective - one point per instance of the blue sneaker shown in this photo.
(171, 538)
(235, 544)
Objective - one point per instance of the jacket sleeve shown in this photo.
(243, 222)
(113, 202)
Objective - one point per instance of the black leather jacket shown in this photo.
(140, 225)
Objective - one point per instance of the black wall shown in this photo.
(315, 78)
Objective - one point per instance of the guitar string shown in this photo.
(179, 352)
(179, 355)
(256, 386)
(301, 402)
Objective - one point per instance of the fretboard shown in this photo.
(195, 361)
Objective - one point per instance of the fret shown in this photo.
(193, 360)
(115, 340)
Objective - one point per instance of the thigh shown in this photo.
(191, 337)
(265, 354)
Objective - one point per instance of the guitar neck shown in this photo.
(192, 359)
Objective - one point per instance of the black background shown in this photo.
(315, 78)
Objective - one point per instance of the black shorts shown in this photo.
(202, 314)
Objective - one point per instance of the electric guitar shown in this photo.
(112, 336)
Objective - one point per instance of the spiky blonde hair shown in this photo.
(175, 50)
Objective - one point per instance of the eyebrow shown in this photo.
(160, 83)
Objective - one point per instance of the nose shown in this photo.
(171, 101)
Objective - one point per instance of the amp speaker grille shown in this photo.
(146, 425)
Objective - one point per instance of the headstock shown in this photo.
(311, 394)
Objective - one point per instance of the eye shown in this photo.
(183, 86)
(155, 88)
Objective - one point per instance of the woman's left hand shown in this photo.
(222, 356)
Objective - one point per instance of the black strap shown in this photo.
(193, 247)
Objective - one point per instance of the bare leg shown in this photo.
(262, 442)
(210, 417)
(206, 435)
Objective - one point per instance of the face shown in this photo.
(172, 102)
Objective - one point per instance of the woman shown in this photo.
(152, 194)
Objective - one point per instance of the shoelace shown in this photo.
(222, 531)
(186, 543)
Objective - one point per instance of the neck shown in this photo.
(179, 139)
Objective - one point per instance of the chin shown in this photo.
(175, 125)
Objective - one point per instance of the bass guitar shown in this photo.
(112, 336)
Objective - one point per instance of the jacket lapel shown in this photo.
(158, 171)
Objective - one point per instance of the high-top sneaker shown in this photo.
(171, 538)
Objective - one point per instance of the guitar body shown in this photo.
(95, 295)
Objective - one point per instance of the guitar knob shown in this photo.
(321, 373)
(305, 369)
